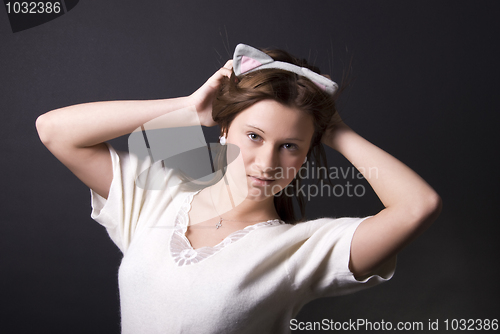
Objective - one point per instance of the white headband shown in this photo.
(247, 59)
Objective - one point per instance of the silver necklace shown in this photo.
(219, 224)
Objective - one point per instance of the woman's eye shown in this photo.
(289, 146)
(253, 136)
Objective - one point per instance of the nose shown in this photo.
(267, 160)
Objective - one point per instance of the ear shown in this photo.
(247, 58)
(223, 131)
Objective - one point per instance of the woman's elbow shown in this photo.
(434, 205)
(428, 210)
(40, 125)
(43, 126)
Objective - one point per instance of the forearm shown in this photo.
(88, 124)
(396, 185)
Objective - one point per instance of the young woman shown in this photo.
(232, 257)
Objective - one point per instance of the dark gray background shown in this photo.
(424, 88)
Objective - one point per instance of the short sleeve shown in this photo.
(320, 264)
(120, 212)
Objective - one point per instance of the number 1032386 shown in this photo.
(40, 7)
(471, 324)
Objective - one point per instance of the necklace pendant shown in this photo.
(219, 224)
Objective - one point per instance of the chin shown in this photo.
(261, 192)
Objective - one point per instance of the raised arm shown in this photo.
(411, 205)
(76, 134)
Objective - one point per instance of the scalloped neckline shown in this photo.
(181, 249)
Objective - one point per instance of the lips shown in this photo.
(262, 178)
(261, 182)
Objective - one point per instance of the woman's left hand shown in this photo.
(334, 131)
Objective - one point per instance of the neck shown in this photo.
(231, 204)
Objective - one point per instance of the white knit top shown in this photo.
(254, 281)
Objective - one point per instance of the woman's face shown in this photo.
(273, 140)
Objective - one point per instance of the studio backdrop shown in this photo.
(422, 84)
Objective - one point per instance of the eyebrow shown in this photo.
(253, 126)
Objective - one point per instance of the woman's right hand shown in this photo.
(203, 97)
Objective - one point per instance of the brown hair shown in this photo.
(237, 94)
